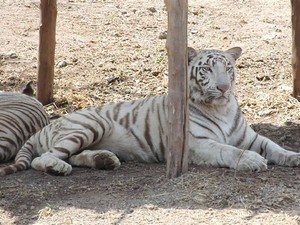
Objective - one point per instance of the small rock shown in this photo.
(196, 12)
(152, 9)
(112, 79)
(163, 35)
(285, 87)
(12, 55)
(194, 31)
(62, 64)
(243, 22)
(155, 73)
(263, 78)
(151, 207)
(268, 37)
(130, 210)
(23, 207)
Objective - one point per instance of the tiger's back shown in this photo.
(20, 117)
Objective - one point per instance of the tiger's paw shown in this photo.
(251, 161)
(293, 160)
(52, 165)
(98, 159)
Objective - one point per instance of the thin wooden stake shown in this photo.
(296, 46)
(46, 51)
(177, 161)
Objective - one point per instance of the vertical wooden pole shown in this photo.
(177, 161)
(296, 46)
(46, 51)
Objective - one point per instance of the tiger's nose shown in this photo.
(223, 87)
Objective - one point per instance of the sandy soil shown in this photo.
(114, 50)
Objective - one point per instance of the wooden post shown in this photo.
(46, 51)
(296, 46)
(177, 161)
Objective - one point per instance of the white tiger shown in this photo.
(20, 117)
(101, 137)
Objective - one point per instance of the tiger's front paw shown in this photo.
(50, 164)
(251, 161)
(293, 160)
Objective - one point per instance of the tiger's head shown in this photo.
(212, 76)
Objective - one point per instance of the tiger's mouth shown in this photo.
(222, 97)
(217, 100)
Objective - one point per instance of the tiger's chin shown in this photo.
(217, 101)
(221, 100)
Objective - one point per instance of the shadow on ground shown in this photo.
(287, 136)
(31, 195)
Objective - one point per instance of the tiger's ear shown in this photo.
(235, 52)
(191, 54)
(28, 89)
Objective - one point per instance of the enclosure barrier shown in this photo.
(296, 47)
(177, 161)
(46, 51)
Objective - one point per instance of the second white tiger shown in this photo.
(101, 137)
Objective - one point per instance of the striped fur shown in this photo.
(101, 137)
(20, 117)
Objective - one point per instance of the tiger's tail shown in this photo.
(23, 159)
(18, 166)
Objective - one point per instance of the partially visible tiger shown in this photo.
(101, 137)
(20, 117)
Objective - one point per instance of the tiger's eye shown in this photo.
(206, 68)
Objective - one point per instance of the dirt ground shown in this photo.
(115, 50)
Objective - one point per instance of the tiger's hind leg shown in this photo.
(98, 159)
(49, 163)
(53, 161)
